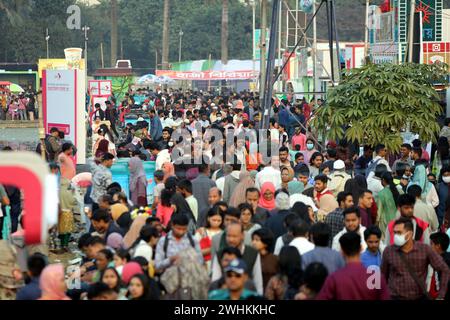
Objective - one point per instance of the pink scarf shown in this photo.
(263, 203)
(50, 283)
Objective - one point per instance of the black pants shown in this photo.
(15, 212)
(113, 128)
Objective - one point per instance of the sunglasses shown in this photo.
(234, 275)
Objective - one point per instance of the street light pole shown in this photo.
(412, 10)
(86, 39)
(181, 41)
(47, 38)
(366, 33)
(253, 3)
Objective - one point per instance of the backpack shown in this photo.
(166, 243)
(371, 167)
(49, 154)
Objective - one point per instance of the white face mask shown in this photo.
(170, 144)
(310, 146)
(446, 179)
(400, 240)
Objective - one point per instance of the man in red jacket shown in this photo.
(406, 208)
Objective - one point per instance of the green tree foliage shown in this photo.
(140, 30)
(377, 102)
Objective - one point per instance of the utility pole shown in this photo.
(281, 81)
(224, 40)
(166, 31)
(253, 3)
(181, 43)
(366, 33)
(101, 53)
(47, 38)
(86, 39)
(267, 94)
(315, 71)
(411, 30)
(114, 32)
(209, 69)
(263, 50)
(121, 49)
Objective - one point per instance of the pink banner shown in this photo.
(209, 75)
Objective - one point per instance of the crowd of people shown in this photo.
(20, 106)
(317, 219)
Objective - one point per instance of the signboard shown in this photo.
(436, 52)
(430, 27)
(100, 100)
(29, 173)
(354, 56)
(208, 75)
(55, 64)
(100, 87)
(384, 52)
(64, 104)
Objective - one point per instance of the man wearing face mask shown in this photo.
(405, 265)
(405, 206)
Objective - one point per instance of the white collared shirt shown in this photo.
(302, 244)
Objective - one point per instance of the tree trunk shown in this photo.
(114, 32)
(224, 44)
(166, 33)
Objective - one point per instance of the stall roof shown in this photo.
(114, 72)
(19, 66)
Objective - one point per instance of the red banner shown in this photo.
(208, 75)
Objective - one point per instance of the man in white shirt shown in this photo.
(149, 238)
(352, 223)
(270, 173)
(299, 229)
(185, 188)
(380, 158)
(162, 156)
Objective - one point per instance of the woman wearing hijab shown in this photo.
(130, 270)
(327, 204)
(287, 175)
(295, 187)
(102, 148)
(52, 283)
(267, 199)
(134, 232)
(238, 195)
(115, 241)
(138, 182)
(169, 170)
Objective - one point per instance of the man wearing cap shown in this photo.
(235, 278)
(338, 178)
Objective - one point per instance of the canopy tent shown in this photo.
(15, 88)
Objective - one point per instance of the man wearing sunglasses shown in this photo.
(235, 278)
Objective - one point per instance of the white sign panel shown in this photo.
(60, 101)
(63, 106)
